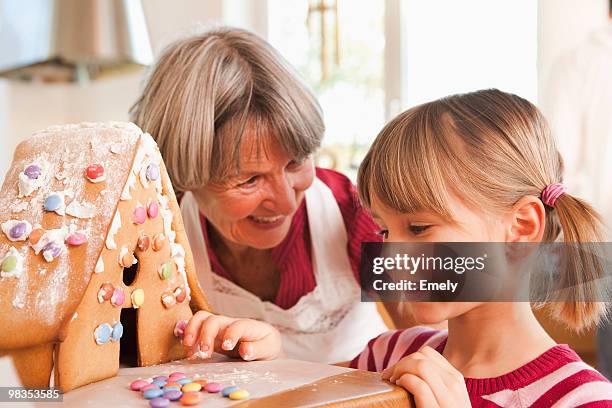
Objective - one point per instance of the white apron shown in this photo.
(329, 324)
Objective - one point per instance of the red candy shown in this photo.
(94, 172)
(76, 239)
(138, 385)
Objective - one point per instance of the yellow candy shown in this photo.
(194, 386)
(137, 298)
(239, 395)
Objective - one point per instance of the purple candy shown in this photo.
(152, 172)
(53, 248)
(32, 171)
(160, 378)
(17, 230)
(173, 395)
(159, 402)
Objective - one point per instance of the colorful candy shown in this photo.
(183, 380)
(16, 230)
(190, 398)
(153, 209)
(159, 241)
(95, 173)
(173, 395)
(51, 251)
(152, 172)
(176, 375)
(140, 215)
(160, 378)
(143, 243)
(152, 393)
(36, 235)
(171, 383)
(239, 395)
(213, 387)
(228, 390)
(159, 383)
(179, 331)
(118, 297)
(149, 387)
(102, 334)
(76, 238)
(9, 263)
(33, 171)
(137, 297)
(136, 385)
(105, 292)
(117, 332)
(159, 402)
(179, 294)
(53, 202)
(168, 300)
(192, 386)
(126, 257)
(165, 271)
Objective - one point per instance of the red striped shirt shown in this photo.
(557, 378)
(292, 256)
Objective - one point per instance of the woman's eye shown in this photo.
(383, 233)
(250, 182)
(417, 229)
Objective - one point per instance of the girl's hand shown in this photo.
(430, 378)
(246, 338)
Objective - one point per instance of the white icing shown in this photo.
(166, 216)
(98, 179)
(18, 270)
(74, 316)
(19, 207)
(6, 227)
(115, 225)
(81, 210)
(116, 148)
(26, 185)
(178, 256)
(99, 265)
(131, 183)
(57, 236)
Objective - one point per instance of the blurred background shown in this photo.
(69, 61)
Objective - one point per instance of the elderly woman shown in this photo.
(274, 238)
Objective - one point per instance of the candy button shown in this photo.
(35, 235)
(152, 172)
(176, 375)
(51, 251)
(9, 263)
(165, 271)
(18, 230)
(102, 333)
(159, 383)
(172, 388)
(168, 300)
(94, 172)
(152, 393)
(105, 292)
(190, 398)
(183, 381)
(149, 387)
(117, 332)
(179, 331)
(53, 202)
(137, 298)
(160, 378)
(140, 215)
(193, 386)
(159, 402)
(201, 382)
(239, 395)
(213, 387)
(143, 243)
(179, 294)
(173, 395)
(171, 383)
(118, 297)
(228, 390)
(159, 241)
(32, 171)
(153, 209)
(76, 239)
(138, 384)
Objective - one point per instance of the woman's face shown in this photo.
(254, 208)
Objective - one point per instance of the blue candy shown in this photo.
(152, 393)
(117, 331)
(53, 202)
(159, 383)
(103, 333)
(228, 390)
(184, 381)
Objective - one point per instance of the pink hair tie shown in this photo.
(551, 192)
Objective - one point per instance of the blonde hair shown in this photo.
(207, 89)
(490, 148)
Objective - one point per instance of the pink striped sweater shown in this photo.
(557, 378)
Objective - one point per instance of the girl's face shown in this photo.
(420, 227)
(255, 207)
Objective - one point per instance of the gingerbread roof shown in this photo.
(57, 206)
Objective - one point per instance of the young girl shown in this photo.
(478, 167)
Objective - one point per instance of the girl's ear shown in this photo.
(526, 220)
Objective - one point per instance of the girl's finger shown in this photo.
(429, 372)
(208, 333)
(266, 348)
(451, 374)
(193, 327)
(420, 390)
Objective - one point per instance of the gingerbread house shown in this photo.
(94, 260)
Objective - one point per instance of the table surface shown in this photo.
(275, 383)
